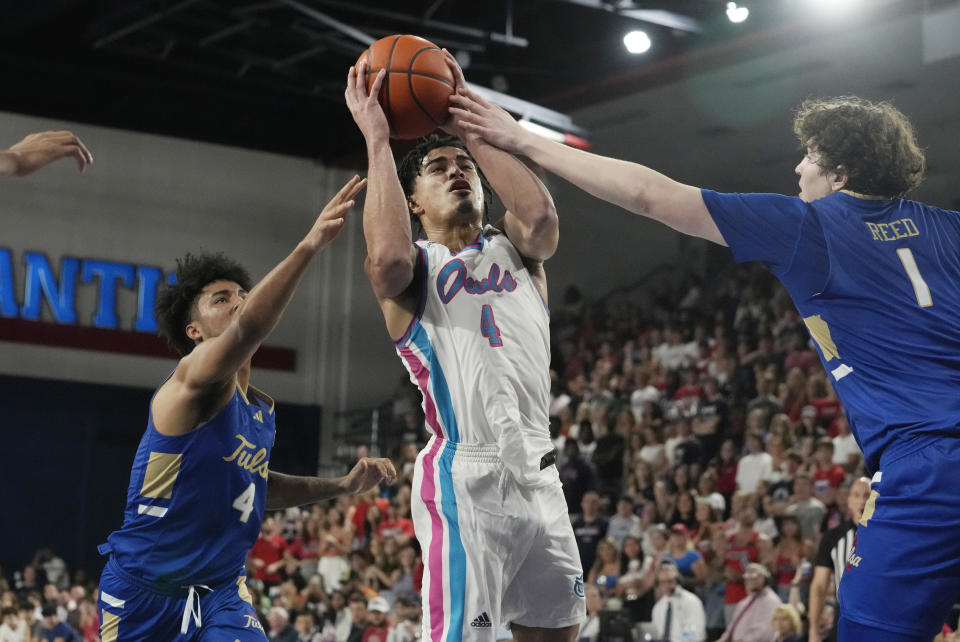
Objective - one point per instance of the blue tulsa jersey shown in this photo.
(876, 282)
(195, 502)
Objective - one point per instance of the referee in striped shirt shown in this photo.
(835, 547)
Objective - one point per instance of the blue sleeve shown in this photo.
(758, 227)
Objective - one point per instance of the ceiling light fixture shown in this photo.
(637, 42)
(735, 13)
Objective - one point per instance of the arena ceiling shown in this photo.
(269, 74)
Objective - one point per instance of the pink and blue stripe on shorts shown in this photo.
(444, 558)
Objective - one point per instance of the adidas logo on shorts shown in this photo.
(482, 622)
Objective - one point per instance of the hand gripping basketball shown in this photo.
(416, 86)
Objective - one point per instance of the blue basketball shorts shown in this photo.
(903, 575)
(130, 611)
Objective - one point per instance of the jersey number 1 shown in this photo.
(488, 326)
(920, 288)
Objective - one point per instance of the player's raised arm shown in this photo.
(391, 256)
(248, 319)
(39, 150)
(629, 185)
(531, 219)
(259, 313)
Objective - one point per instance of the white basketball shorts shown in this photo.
(493, 551)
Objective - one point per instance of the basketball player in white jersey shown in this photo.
(467, 311)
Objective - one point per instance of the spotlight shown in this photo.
(735, 13)
(637, 42)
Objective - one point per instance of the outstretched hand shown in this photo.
(471, 115)
(368, 473)
(365, 106)
(331, 220)
(39, 150)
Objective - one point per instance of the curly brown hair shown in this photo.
(173, 307)
(873, 143)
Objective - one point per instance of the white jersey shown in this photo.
(479, 350)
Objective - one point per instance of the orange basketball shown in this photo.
(416, 93)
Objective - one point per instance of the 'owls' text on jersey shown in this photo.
(877, 282)
(479, 350)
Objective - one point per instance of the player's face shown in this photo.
(215, 308)
(814, 181)
(448, 188)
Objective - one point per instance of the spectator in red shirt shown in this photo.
(743, 548)
(799, 356)
(306, 548)
(793, 393)
(395, 526)
(357, 515)
(824, 400)
(827, 476)
(266, 556)
(89, 620)
(686, 397)
(726, 469)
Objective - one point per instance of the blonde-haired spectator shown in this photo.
(786, 624)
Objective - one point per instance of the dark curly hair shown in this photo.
(872, 142)
(410, 166)
(174, 305)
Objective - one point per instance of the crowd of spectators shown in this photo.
(703, 455)
(42, 601)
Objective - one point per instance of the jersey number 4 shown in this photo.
(244, 502)
(488, 326)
